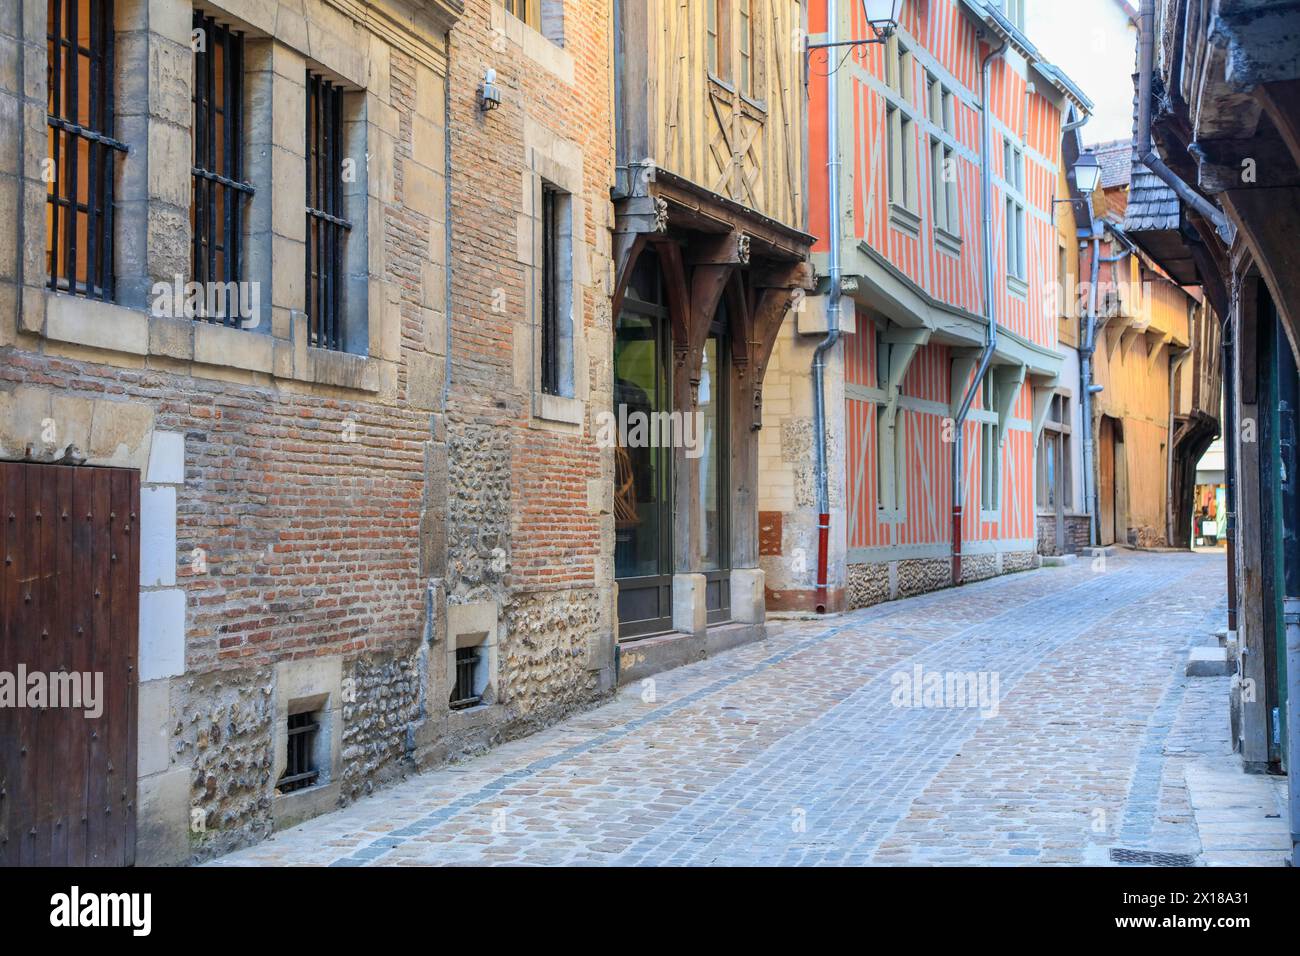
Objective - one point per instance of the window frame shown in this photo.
(65, 136)
(944, 197)
(235, 192)
(1057, 430)
(327, 227)
(890, 441)
(900, 137)
(529, 11)
(1013, 172)
(990, 451)
(556, 351)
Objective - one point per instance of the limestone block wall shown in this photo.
(787, 474)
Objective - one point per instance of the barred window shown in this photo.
(220, 193)
(82, 150)
(556, 292)
(327, 228)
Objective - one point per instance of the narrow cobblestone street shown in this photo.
(795, 750)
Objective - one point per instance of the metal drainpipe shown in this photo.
(1171, 505)
(1146, 151)
(832, 311)
(1085, 376)
(1229, 433)
(990, 316)
(1291, 613)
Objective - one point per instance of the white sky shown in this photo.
(1092, 42)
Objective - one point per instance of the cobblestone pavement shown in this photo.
(809, 747)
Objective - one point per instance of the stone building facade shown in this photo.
(357, 504)
(529, 526)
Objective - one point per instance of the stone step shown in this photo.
(1210, 662)
(1059, 560)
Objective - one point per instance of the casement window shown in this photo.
(1013, 163)
(1063, 283)
(900, 129)
(556, 299)
(891, 456)
(1054, 470)
(327, 224)
(530, 11)
(745, 45)
(220, 194)
(713, 28)
(733, 44)
(990, 450)
(82, 151)
(943, 160)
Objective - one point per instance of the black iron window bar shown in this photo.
(327, 227)
(79, 73)
(220, 192)
(298, 771)
(550, 306)
(462, 694)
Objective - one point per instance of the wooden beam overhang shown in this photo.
(885, 291)
(1008, 380)
(684, 206)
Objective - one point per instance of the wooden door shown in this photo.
(69, 616)
(1106, 480)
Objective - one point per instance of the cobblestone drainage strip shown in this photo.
(1149, 858)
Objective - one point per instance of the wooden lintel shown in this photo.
(784, 275)
(729, 249)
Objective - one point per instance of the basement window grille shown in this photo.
(300, 771)
(220, 193)
(467, 664)
(82, 150)
(327, 228)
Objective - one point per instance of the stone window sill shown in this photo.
(1017, 287)
(557, 408)
(73, 320)
(904, 220)
(947, 242)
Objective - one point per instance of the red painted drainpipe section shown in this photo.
(956, 543)
(823, 554)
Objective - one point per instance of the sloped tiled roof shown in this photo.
(1152, 206)
(1116, 159)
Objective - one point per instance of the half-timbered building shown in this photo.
(954, 94)
(710, 254)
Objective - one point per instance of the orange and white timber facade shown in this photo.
(914, 310)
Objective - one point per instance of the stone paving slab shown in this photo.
(1061, 726)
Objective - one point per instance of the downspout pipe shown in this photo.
(1089, 389)
(1146, 151)
(1171, 504)
(832, 312)
(990, 313)
(1229, 433)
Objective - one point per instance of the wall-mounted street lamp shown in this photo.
(882, 17)
(1087, 173)
(1087, 177)
(489, 94)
